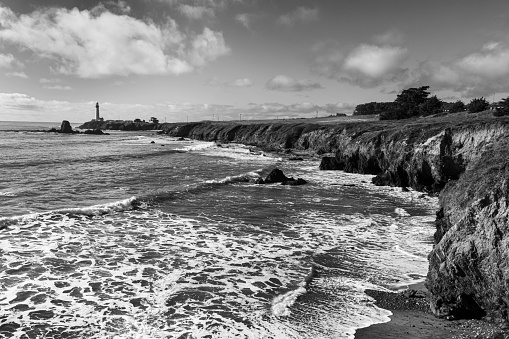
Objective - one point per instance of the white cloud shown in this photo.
(208, 46)
(244, 19)
(286, 83)
(490, 63)
(196, 12)
(49, 81)
(92, 45)
(238, 82)
(6, 60)
(480, 73)
(300, 15)
(374, 61)
(242, 82)
(366, 65)
(58, 87)
(18, 75)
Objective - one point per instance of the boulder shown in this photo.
(65, 127)
(95, 131)
(276, 175)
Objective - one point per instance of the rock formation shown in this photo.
(276, 175)
(65, 127)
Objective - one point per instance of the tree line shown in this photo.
(414, 102)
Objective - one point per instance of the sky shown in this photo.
(194, 60)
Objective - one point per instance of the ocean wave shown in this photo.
(401, 212)
(282, 303)
(245, 177)
(95, 210)
(7, 194)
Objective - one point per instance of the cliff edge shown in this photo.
(463, 157)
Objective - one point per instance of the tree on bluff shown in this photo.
(478, 105)
(408, 104)
(458, 106)
(431, 106)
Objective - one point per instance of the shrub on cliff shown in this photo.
(478, 105)
(503, 108)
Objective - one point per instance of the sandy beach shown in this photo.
(412, 319)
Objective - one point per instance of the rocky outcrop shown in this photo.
(65, 127)
(121, 125)
(462, 157)
(469, 265)
(95, 132)
(276, 175)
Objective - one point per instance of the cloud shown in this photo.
(491, 62)
(391, 37)
(242, 82)
(196, 12)
(208, 46)
(58, 87)
(18, 101)
(18, 75)
(300, 15)
(239, 82)
(288, 84)
(6, 60)
(373, 61)
(480, 73)
(244, 19)
(49, 81)
(90, 45)
(365, 66)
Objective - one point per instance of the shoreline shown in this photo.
(412, 319)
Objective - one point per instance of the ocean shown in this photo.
(138, 235)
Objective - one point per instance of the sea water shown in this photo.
(138, 235)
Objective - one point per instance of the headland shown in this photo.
(461, 157)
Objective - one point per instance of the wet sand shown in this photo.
(412, 319)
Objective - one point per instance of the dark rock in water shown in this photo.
(152, 142)
(65, 127)
(276, 175)
(95, 132)
(404, 189)
(297, 182)
(181, 139)
(296, 159)
(259, 181)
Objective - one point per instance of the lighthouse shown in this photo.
(97, 112)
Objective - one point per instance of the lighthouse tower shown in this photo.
(97, 112)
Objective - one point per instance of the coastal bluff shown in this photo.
(462, 157)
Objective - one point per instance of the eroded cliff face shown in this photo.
(466, 161)
(469, 265)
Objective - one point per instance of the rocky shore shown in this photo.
(462, 157)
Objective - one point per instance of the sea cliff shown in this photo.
(462, 157)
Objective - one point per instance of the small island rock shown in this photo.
(65, 127)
